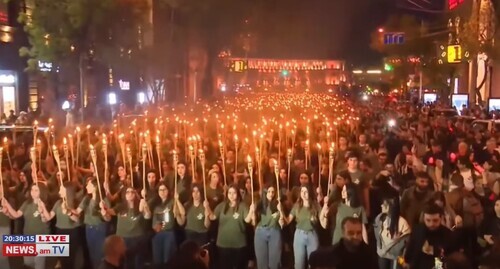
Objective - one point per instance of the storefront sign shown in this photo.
(44, 66)
(7, 79)
(124, 85)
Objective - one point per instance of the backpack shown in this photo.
(473, 211)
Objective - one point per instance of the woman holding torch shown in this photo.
(132, 213)
(34, 211)
(233, 215)
(67, 222)
(270, 220)
(95, 220)
(168, 212)
(197, 217)
(305, 212)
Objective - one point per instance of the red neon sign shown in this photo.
(4, 19)
(452, 4)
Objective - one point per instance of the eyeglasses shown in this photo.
(162, 189)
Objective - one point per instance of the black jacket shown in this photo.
(442, 241)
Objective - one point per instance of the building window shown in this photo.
(33, 98)
(9, 99)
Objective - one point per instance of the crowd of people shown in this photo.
(324, 183)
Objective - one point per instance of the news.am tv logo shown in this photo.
(36, 245)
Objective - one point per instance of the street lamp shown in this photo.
(112, 100)
(141, 98)
(66, 105)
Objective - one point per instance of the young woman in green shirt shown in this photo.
(305, 212)
(215, 191)
(233, 215)
(267, 239)
(34, 211)
(168, 212)
(67, 222)
(131, 214)
(197, 217)
(95, 220)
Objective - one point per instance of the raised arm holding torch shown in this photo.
(202, 162)
(144, 157)
(176, 161)
(250, 171)
(222, 156)
(93, 155)
(129, 156)
(277, 173)
(66, 155)
(33, 165)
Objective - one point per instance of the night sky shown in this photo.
(335, 29)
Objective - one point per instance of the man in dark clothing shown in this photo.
(430, 242)
(347, 252)
(114, 251)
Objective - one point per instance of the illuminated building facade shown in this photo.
(287, 74)
(13, 80)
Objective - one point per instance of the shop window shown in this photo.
(9, 99)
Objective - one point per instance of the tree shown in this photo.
(477, 35)
(81, 33)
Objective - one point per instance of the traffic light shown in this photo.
(388, 67)
(285, 73)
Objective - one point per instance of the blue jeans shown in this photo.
(164, 247)
(304, 243)
(267, 244)
(4, 261)
(134, 258)
(95, 236)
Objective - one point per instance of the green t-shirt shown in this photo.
(129, 223)
(4, 220)
(269, 219)
(214, 196)
(33, 223)
(91, 211)
(195, 219)
(63, 221)
(232, 226)
(164, 214)
(303, 217)
(343, 212)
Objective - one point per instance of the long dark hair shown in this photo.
(123, 208)
(88, 197)
(393, 215)
(44, 193)
(238, 198)
(313, 205)
(190, 202)
(71, 197)
(265, 204)
(93, 181)
(353, 195)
